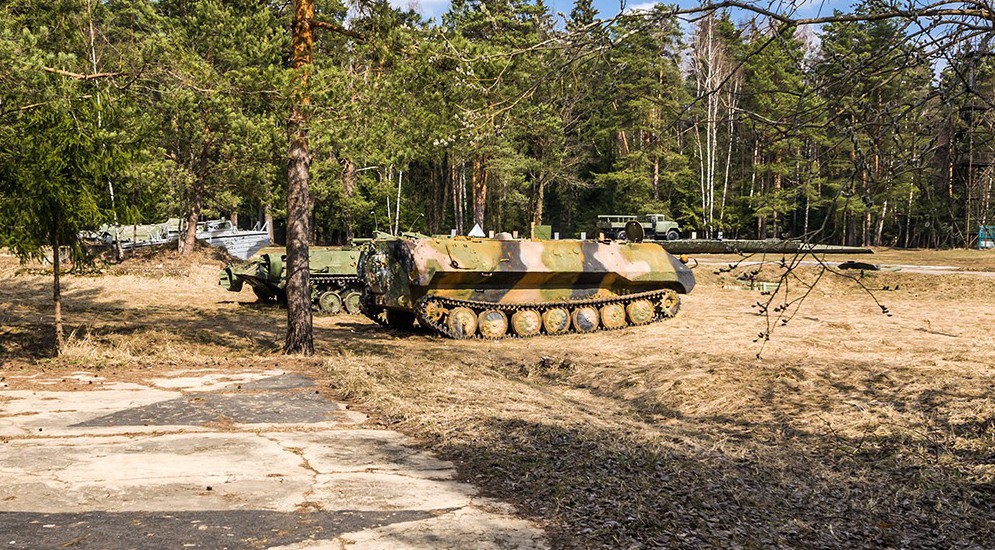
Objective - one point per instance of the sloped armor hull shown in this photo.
(462, 287)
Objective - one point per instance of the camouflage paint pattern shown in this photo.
(398, 273)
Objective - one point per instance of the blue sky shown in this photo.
(609, 8)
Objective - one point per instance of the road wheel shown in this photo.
(330, 303)
(673, 235)
(351, 302)
(462, 322)
(640, 312)
(526, 322)
(585, 319)
(492, 323)
(613, 316)
(556, 320)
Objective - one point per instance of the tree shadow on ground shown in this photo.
(26, 330)
(799, 489)
(237, 328)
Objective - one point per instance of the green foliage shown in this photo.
(749, 128)
(63, 139)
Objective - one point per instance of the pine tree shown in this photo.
(869, 77)
(780, 105)
(61, 140)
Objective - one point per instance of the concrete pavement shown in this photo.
(212, 459)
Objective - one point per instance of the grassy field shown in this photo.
(852, 428)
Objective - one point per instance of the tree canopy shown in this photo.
(503, 114)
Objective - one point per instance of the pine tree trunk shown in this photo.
(865, 222)
(540, 199)
(969, 188)
(60, 343)
(498, 199)
(193, 215)
(777, 195)
(439, 194)
(197, 196)
(348, 191)
(479, 181)
(457, 211)
(845, 237)
(397, 203)
(268, 220)
(908, 217)
(656, 177)
(623, 142)
(988, 195)
(753, 179)
(851, 229)
(299, 337)
(879, 232)
(731, 114)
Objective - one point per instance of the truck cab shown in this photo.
(659, 226)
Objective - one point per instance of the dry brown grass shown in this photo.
(962, 259)
(704, 451)
(854, 429)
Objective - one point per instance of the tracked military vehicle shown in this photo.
(491, 288)
(334, 283)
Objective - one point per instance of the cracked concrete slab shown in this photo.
(465, 527)
(205, 380)
(211, 459)
(391, 491)
(51, 413)
(218, 529)
(350, 450)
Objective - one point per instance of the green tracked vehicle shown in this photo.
(491, 288)
(334, 284)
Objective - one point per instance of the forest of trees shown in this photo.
(502, 113)
(872, 127)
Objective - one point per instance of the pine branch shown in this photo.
(79, 76)
(338, 29)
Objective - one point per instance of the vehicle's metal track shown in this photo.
(342, 285)
(344, 281)
(438, 324)
(379, 316)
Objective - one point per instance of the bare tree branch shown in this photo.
(81, 76)
(334, 27)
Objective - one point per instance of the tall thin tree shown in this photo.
(299, 337)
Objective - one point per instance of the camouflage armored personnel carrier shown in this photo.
(334, 283)
(465, 287)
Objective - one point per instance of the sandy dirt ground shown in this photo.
(860, 416)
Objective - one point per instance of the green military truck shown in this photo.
(656, 226)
